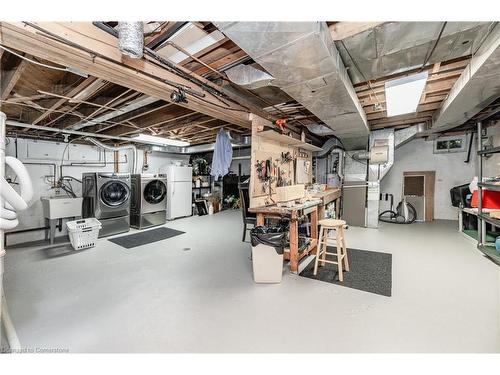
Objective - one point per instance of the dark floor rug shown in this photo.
(145, 237)
(370, 271)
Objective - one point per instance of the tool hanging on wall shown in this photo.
(266, 173)
(286, 157)
(281, 124)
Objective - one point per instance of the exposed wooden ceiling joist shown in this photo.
(109, 64)
(8, 82)
(61, 101)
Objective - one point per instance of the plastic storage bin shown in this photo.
(267, 254)
(83, 233)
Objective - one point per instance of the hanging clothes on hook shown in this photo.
(223, 155)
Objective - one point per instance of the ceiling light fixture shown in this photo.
(155, 140)
(402, 95)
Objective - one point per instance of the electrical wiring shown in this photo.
(33, 61)
(428, 57)
(490, 30)
(159, 60)
(219, 106)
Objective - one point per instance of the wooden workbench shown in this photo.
(309, 208)
(326, 197)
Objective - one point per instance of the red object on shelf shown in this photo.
(491, 199)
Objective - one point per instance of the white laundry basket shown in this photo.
(83, 233)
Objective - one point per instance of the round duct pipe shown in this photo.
(131, 39)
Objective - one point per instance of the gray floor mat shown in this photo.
(145, 237)
(370, 271)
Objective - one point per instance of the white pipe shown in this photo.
(8, 219)
(119, 148)
(172, 149)
(169, 149)
(10, 202)
(10, 330)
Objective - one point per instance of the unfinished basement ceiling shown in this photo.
(303, 60)
(395, 47)
(43, 96)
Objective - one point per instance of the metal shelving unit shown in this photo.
(494, 150)
(487, 249)
(198, 191)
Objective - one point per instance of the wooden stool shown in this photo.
(326, 226)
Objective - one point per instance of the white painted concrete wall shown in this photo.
(451, 170)
(52, 152)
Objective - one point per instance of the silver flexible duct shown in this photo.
(131, 39)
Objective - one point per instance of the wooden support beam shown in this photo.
(95, 52)
(423, 117)
(11, 78)
(421, 108)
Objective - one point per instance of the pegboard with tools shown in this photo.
(274, 162)
(271, 170)
(280, 166)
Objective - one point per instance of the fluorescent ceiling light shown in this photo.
(152, 139)
(402, 95)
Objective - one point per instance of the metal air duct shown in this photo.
(395, 47)
(248, 77)
(377, 171)
(477, 87)
(302, 57)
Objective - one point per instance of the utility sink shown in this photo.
(61, 207)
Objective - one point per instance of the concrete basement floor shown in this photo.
(163, 298)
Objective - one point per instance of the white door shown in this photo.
(179, 199)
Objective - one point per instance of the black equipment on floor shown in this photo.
(405, 214)
(459, 194)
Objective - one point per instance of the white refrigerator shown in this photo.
(179, 191)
